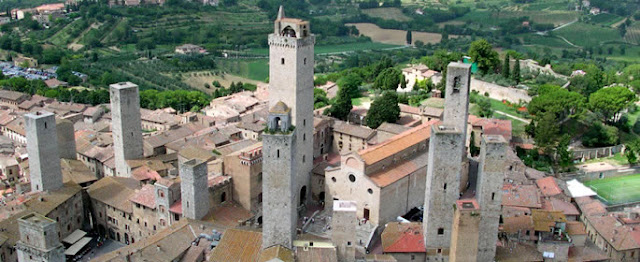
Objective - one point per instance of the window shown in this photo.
(440, 232)
(456, 84)
(278, 153)
(160, 193)
(370, 191)
(352, 178)
(439, 250)
(305, 61)
(445, 186)
(333, 179)
(282, 61)
(45, 125)
(348, 243)
(223, 197)
(303, 158)
(493, 196)
(304, 137)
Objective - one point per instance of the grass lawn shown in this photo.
(333, 48)
(258, 70)
(617, 190)
(617, 159)
(360, 100)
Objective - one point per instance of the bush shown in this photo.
(600, 135)
(636, 127)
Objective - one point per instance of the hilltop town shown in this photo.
(324, 146)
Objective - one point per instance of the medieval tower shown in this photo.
(126, 125)
(291, 81)
(464, 232)
(491, 171)
(442, 189)
(194, 189)
(343, 229)
(279, 186)
(39, 240)
(66, 139)
(42, 146)
(456, 100)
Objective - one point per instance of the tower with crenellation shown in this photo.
(291, 81)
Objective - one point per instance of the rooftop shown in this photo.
(397, 143)
(403, 238)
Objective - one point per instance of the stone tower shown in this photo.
(126, 125)
(464, 232)
(442, 189)
(279, 212)
(491, 170)
(291, 81)
(343, 229)
(194, 189)
(39, 240)
(456, 100)
(66, 139)
(167, 193)
(42, 146)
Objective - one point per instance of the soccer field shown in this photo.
(617, 190)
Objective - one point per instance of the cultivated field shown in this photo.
(200, 78)
(617, 190)
(389, 13)
(583, 34)
(393, 36)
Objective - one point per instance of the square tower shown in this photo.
(291, 61)
(456, 99)
(42, 146)
(442, 189)
(167, 193)
(39, 240)
(194, 189)
(343, 229)
(66, 139)
(279, 211)
(465, 231)
(493, 155)
(126, 125)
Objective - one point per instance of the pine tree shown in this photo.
(516, 71)
(506, 67)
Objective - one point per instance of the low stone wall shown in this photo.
(592, 153)
(499, 92)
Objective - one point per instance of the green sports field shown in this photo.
(617, 190)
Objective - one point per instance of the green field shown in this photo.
(583, 34)
(617, 190)
(606, 19)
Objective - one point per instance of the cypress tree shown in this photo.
(506, 67)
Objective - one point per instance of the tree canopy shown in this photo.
(384, 109)
(390, 79)
(482, 53)
(610, 101)
(557, 100)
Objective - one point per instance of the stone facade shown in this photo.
(291, 61)
(245, 166)
(464, 232)
(279, 187)
(66, 139)
(126, 125)
(39, 240)
(42, 146)
(343, 226)
(442, 188)
(194, 189)
(456, 103)
(491, 171)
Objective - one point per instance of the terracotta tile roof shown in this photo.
(144, 173)
(194, 152)
(590, 206)
(392, 174)
(511, 211)
(229, 215)
(403, 238)
(548, 186)
(567, 208)
(238, 246)
(409, 109)
(316, 254)
(145, 196)
(397, 143)
(76, 171)
(12, 95)
(514, 224)
(432, 111)
(17, 125)
(176, 207)
(353, 130)
(103, 191)
(217, 180)
(276, 253)
(621, 237)
(520, 196)
(576, 228)
(545, 220)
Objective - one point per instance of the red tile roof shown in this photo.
(548, 186)
(176, 207)
(392, 174)
(403, 238)
(145, 196)
(145, 173)
(520, 196)
(397, 143)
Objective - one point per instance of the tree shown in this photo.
(506, 67)
(630, 153)
(384, 109)
(546, 133)
(557, 100)
(351, 84)
(389, 79)
(610, 101)
(516, 71)
(341, 106)
(600, 135)
(319, 98)
(482, 53)
(409, 37)
(564, 156)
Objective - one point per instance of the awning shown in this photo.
(73, 250)
(74, 237)
(578, 189)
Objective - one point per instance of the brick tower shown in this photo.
(42, 146)
(491, 170)
(279, 179)
(291, 81)
(126, 125)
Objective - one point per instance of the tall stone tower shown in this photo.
(343, 229)
(291, 81)
(456, 100)
(465, 230)
(66, 139)
(39, 240)
(42, 146)
(491, 170)
(126, 125)
(194, 189)
(442, 189)
(279, 212)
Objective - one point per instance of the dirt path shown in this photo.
(74, 45)
(514, 117)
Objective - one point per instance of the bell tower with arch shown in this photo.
(291, 64)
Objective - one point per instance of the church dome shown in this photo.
(280, 108)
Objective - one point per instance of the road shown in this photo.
(514, 117)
